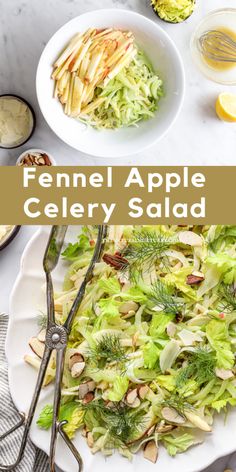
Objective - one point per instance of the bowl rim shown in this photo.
(10, 237)
(33, 119)
(158, 27)
(192, 45)
(39, 150)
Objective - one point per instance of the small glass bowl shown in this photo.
(9, 237)
(217, 19)
(31, 126)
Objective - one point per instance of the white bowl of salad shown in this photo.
(110, 83)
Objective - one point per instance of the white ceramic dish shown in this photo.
(166, 61)
(26, 300)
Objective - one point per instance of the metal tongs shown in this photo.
(56, 339)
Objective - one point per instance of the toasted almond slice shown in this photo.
(42, 336)
(172, 416)
(90, 440)
(131, 396)
(151, 452)
(190, 238)
(37, 347)
(224, 374)
(75, 358)
(89, 397)
(143, 391)
(77, 369)
(195, 278)
(197, 421)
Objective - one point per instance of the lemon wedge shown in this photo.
(226, 107)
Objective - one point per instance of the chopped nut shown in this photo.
(151, 430)
(77, 369)
(89, 397)
(75, 358)
(190, 238)
(131, 396)
(90, 440)
(143, 391)
(85, 388)
(116, 261)
(35, 159)
(42, 336)
(172, 416)
(195, 278)
(164, 428)
(37, 347)
(224, 374)
(151, 452)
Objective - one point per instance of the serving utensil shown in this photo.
(56, 339)
(217, 46)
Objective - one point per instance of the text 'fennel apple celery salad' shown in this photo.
(105, 81)
(151, 356)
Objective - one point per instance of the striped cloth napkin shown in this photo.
(35, 460)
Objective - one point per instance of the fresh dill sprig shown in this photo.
(228, 303)
(107, 350)
(178, 403)
(201, 367)
(162, 298)
(145, 248)
(120, 421)
(42, 321)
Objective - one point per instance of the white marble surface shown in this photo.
(198, 137)
(9, 267)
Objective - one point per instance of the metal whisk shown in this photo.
(217, 46)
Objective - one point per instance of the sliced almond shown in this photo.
(89, 397)
(164, 428)
(85, 388)
(131, 396)
(172, 416)
(224, 374)
(195, 278)
(90, 440)
(128, 306)
(77, 369)
(190, 238)
(37, 347)
(42, 336)
(143, 391)
(136, 403)
(197, 421)
(151, 452)
(75, 358)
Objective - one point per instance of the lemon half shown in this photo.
(226, 107)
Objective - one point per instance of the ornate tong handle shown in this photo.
(56, 338)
